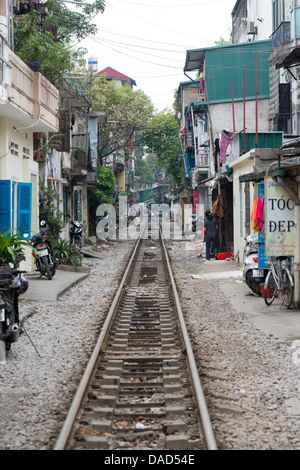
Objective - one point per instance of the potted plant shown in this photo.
(67, 253)
(12, 248)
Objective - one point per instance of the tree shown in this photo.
(143, 172)
(103, 194)
(162, 138)
(49, 37)
(223, 42)
(49, 211)
(127, 112)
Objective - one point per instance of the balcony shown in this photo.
(203, 158)
(281, 37)
(26, 96)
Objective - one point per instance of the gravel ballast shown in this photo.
(39, 385)
(249, 378)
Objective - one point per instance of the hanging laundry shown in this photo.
(259, 216)
(254, 223)
(225, 141)
(216, 154)
(202, 85)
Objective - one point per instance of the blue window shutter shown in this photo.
(24, 207)
(13, 189)
(5, 205)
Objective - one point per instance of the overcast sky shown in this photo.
(148, 39)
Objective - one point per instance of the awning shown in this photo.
(194, 59)
(291, 60)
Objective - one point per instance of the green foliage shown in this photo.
(223, 42)
(103, 194)
(143, 172)
(50, 40)
(127, 111)
(162, 138)
(64, 251)
(49, 211)
(12, 248)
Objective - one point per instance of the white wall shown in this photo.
(222, 116)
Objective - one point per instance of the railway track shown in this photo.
(141, 388)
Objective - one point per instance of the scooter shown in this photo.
(253, 276)
(76, 232)
(45, 262)
(12, 285)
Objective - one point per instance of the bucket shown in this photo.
(270, 291)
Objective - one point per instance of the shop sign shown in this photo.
(196, 201)
(280, 220)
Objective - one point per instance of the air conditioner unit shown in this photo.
(252, 28)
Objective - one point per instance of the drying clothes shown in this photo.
(225, 141)
(216, 154)
(259, 216)
(233, 151)
(254, 223)
(202, 85)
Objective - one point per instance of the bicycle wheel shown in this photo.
(287, 290)
(270, 289)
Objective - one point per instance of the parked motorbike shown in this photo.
(45, 262)
(76, 232)
(253, 276)
(12, 285)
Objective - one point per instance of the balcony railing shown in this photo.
(202, 158)
(281, 36)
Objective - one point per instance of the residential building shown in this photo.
(251, 21)
(68, 166)
(29, 104)
(119, 78)
(224, 115)
(122, 161)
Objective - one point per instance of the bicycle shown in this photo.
(279, 280)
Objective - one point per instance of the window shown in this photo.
(78, 205)
(66, 203)
(8, 190)
(5, 205)
(297, 20)
(24, 207)
(277, 13)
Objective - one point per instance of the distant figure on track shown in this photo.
(210, 234)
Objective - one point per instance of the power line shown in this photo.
(133, 57)
(198, 4)
(143, 47)
(160, 26)
(139, 52)
(142, 39)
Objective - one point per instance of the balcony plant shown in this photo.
(12, 248)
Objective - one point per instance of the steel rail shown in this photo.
(81, 391)
(205, 418)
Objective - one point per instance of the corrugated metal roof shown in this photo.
(224, 66)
